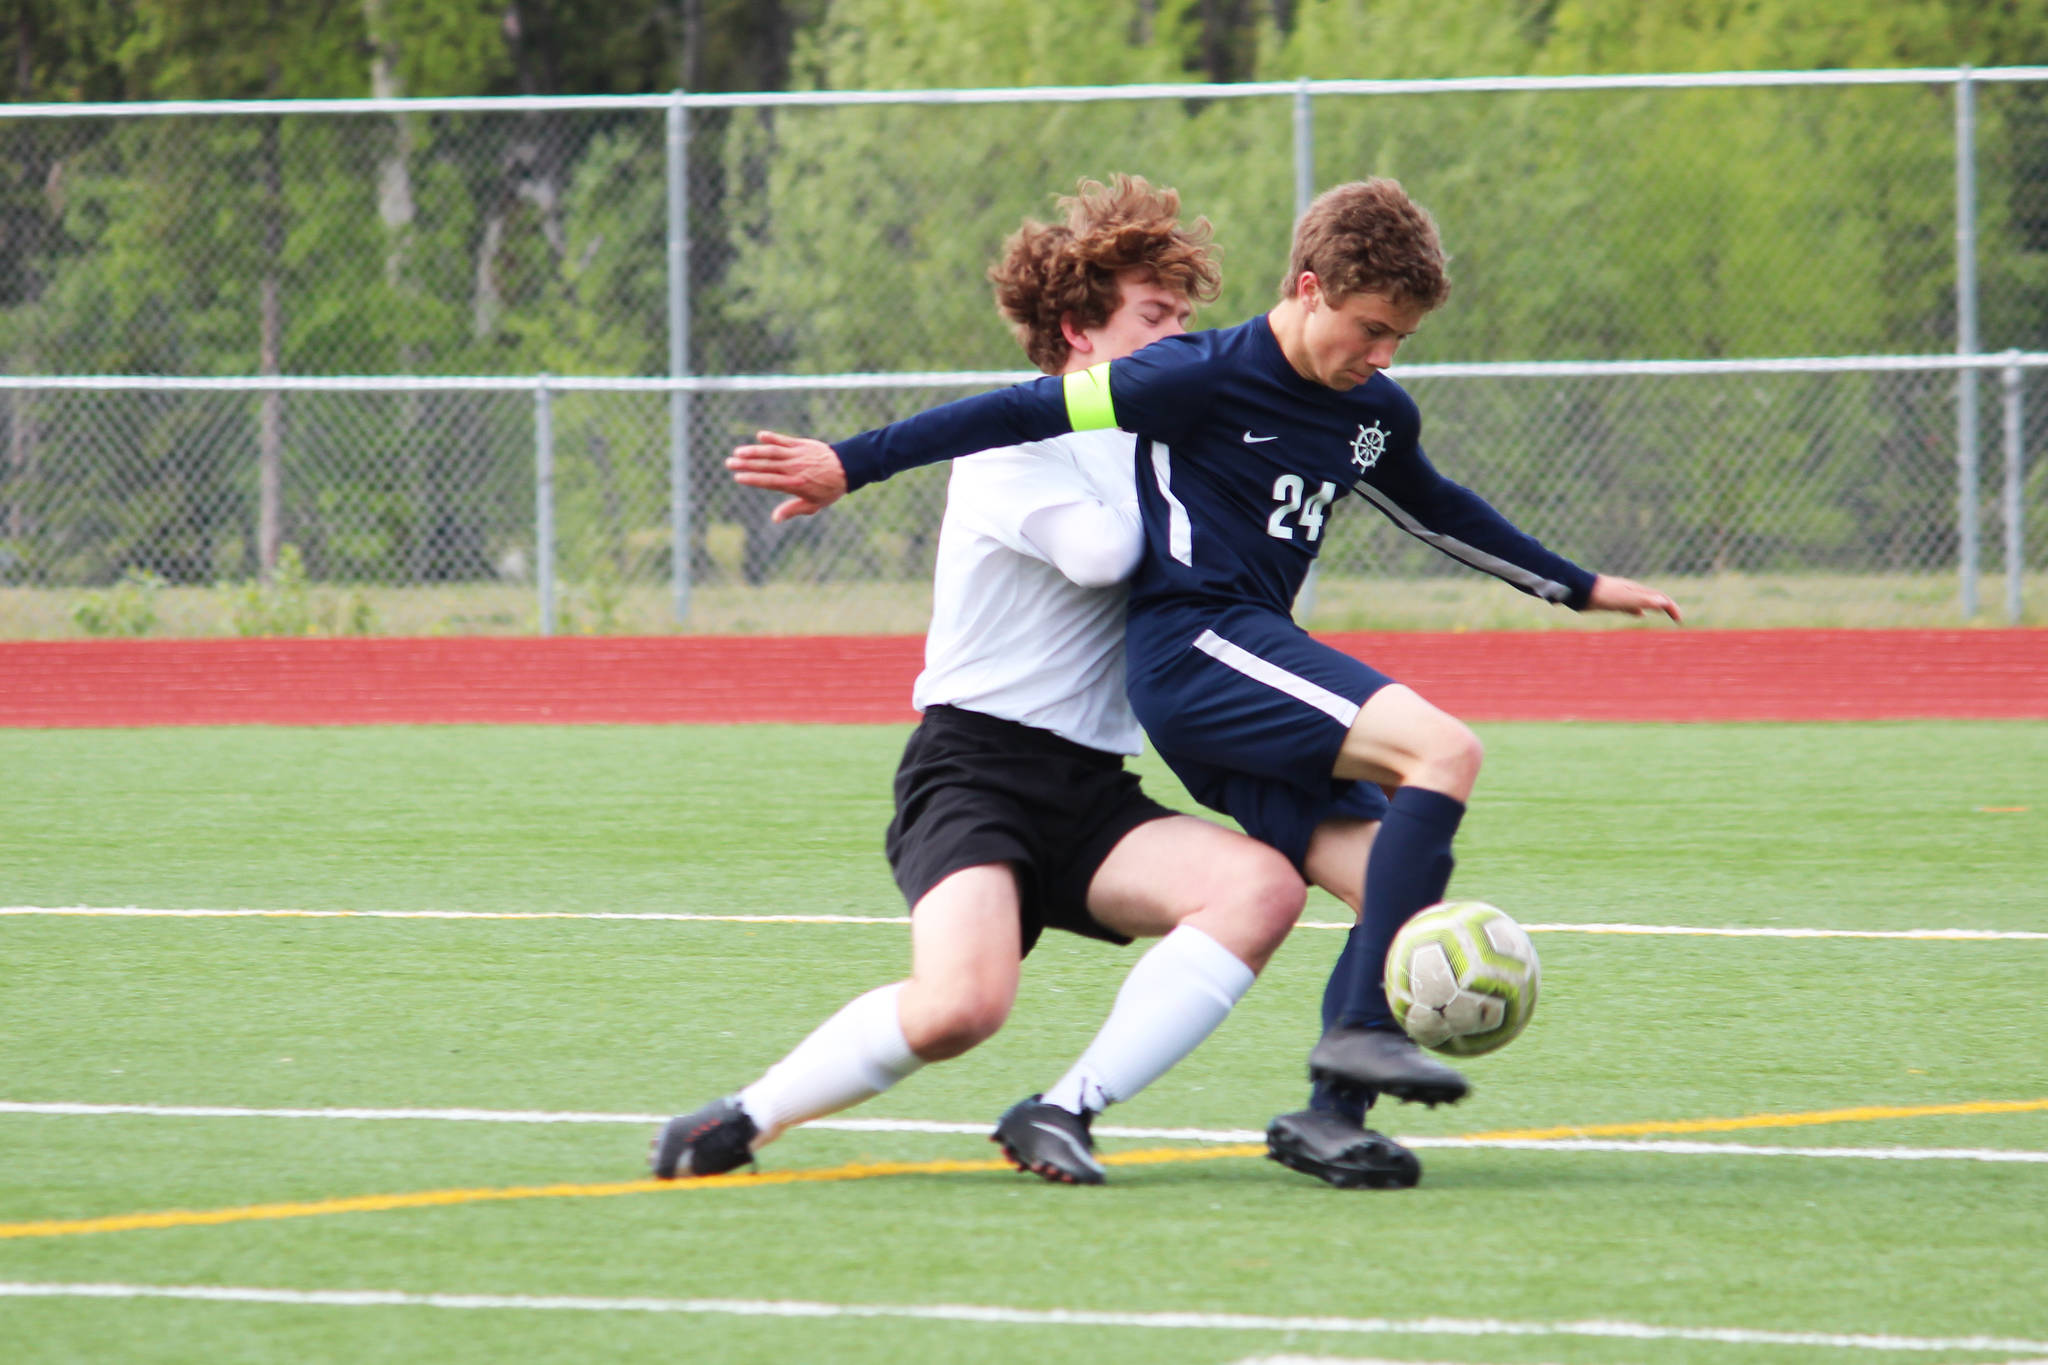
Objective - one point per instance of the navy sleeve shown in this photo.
(1032, 411)
(1165, 389)
(1454, 519)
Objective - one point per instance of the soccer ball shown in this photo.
(1462, 977)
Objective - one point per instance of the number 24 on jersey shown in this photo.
(1307, 513)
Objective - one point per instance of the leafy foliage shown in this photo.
(128, 608)
(1591, 225)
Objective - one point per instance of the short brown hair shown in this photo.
(1051, 271)
(1369, 237)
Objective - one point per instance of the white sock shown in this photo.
(853, 1056)
(1174, 997)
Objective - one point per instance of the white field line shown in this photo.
(1675, 1148)
(1347, 1360)
(1211, 1135)
(987, 1315)
(140, 912)
(1352, 1359)
(1653, 930)
(1762, 931)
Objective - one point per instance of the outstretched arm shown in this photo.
(1627, 595)
(815, 475)
(1162, 386)
(1465, 526)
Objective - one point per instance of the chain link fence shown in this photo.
(173, 277)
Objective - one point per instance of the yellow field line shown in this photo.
(1865, 1114)
(1155, 1156)
(426, 1199)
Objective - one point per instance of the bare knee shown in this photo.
(965, 952)
(1277, 898)
(945, 1019)
(1259, 898)
(1450, 760)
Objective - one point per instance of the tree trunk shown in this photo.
(1145, 24)
(395, 207)
(690, 69)
(394, 173)
(270, 358)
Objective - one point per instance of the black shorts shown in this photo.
(973, 789)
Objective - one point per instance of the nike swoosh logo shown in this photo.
(1252, 440)
(1080, 1153)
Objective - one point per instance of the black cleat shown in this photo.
(1332, 1148)
(1385, 1060)
(716, 1139)
(1049, 1141)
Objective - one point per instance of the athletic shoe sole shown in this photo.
(721, 1129)
(1388, 1166)
(1021, 1130)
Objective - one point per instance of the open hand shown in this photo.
(809, 471)
(1627, 595)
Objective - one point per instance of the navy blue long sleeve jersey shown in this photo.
(1240, 461)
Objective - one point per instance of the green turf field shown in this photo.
(1668, 1232)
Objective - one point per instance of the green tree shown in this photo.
(50, 51)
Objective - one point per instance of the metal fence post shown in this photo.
(1967, 552)
(2015, 473)
(544, 500)
(1304, 193)
(1304, 147)
(679, 354)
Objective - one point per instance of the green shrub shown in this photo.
(128, 608)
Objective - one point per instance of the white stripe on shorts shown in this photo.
(1340, 709)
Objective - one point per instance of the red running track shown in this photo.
(1624, 675)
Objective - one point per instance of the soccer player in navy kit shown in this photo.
(1247, 438)
(1013, 809)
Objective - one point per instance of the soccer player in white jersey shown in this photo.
(1013, 810)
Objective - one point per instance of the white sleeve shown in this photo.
(1037, 503)
(1092, 543)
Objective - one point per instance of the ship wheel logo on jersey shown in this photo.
(1367, 446)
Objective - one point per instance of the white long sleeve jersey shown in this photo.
(1029, 593)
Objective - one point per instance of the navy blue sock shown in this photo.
(1342, 1099)
(1409, 868)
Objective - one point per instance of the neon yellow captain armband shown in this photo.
(1088, 403)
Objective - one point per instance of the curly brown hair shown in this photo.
(1051, 271)
(1369, 237)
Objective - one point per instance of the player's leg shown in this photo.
(955, 848)
(1181, 872)
(1251, 693)
(1401, 740)
(1397, 738)
(966, 949)
(963, 980)
(1330, 839)
(1337, 855)
(1329, 1139)
(965, 954)
(1222, 903)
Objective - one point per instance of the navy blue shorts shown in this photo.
(1250, 712)
(1278, 814)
